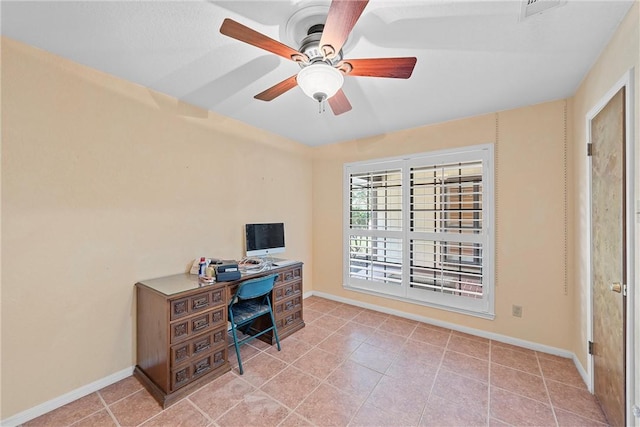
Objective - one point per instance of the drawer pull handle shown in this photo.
(289, 291)
(200, 304)
(202, 366)
(288, 276)
(180, 329)
(202, 346)
(199, 324)
(181, 376)
(289, 306)
(179, 308)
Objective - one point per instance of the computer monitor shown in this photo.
(264, 239)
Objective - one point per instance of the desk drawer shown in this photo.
(287, 290)
(197, 303)
(289, 276)
(200, 366)
(184, 329)
(183, 352)
(289, 319)
(284, 308)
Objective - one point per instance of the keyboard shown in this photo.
(283, 262)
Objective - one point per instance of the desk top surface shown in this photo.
(184, 282)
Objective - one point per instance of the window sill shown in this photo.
(483, 315)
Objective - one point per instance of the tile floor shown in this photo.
(356, 367)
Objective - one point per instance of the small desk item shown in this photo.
(181, 327)
(250, 302)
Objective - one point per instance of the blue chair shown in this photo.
(250, 302)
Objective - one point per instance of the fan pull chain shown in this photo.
(321, 105)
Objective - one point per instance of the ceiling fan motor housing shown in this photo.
(310, 46)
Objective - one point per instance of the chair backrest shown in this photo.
(255, 288)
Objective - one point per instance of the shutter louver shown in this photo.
(446, 211)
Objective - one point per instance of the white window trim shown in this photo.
(485, 308)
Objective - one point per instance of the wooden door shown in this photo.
(608, 256)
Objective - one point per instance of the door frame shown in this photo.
(627, 82)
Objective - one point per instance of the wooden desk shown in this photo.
(182, 328)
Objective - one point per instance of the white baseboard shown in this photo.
(59, 401)
(582, 372)
(477, 332)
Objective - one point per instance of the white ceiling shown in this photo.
(474, 57)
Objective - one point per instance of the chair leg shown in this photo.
(275, 330)
(235, 343)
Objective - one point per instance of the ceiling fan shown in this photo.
(320, 57)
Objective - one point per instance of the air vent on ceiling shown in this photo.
(533, 7)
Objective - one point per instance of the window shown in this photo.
(421, 228)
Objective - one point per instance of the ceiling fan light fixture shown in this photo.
(320, 81)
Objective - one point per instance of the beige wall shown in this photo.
(621, 54)
(618, 57)
(530, 211)
(103, 184)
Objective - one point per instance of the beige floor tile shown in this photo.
(518, 410)
(355, 379)
(261, 369)
(135, 409)
(357, 331)
(339, 344)
(576, 400)
(398, 326)
(318, 362)
(369, 415)
(471, 347)
(370, 318)
(387, 341)
(465, 365)
(256, 409)
(219, 396)
(399, 395)
(515, 359)
(121, 389)
(69, 413)
(291, 386)
(372, 357)
(99, 419)
(463, 390)
(568, 419)
(561, 370)
(328, 406)
(291, 349)
(295, 420)
(372, 370)
(519, 382)
(443, 412)
(422, 353)
(183, 414)
(431, 335)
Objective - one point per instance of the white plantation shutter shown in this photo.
(375, 228)
(420, 228)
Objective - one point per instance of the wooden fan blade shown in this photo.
(245, 34)
(339, 103)
(278, 89)
(397, 68)
(342, 17)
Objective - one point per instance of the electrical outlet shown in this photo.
(516, 311)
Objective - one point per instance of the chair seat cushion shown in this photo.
(246, 310)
